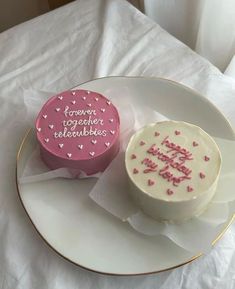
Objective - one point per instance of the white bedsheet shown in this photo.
(81, 41)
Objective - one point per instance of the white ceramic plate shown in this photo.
(82, 232)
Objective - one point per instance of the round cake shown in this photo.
(78, 129)
(173, 168)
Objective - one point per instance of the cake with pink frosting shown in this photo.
(78, 129)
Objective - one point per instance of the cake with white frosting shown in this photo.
(173, 168)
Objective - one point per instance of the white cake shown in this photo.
(173, 167)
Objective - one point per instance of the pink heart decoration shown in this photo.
(135, 171)
(150, 182)
(189, 189)
(133, 156)
(202, 176)
(169, 192)
(206, 158)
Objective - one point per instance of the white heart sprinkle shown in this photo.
(102, 109)
(60, 145)
(69, 155)
(73, 92)
(96, 98)
(73, 101)
(111, 120)
(92, 153)
(60, 97)
(107, 144)
(84, 98)
(46, 139)
(108, 102)
(57, 109)
(44, 116)
(51, 126)
(94, 141)
(39, 129)
(112, 131)
(88, 92)
(80, 146)
(89, 104)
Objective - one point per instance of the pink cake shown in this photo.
(78, 129)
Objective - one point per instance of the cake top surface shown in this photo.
(173, 160)
(77, 124)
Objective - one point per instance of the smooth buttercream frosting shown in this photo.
(173, 162)
(78, 129)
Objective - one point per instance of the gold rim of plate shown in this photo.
(228, 224)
